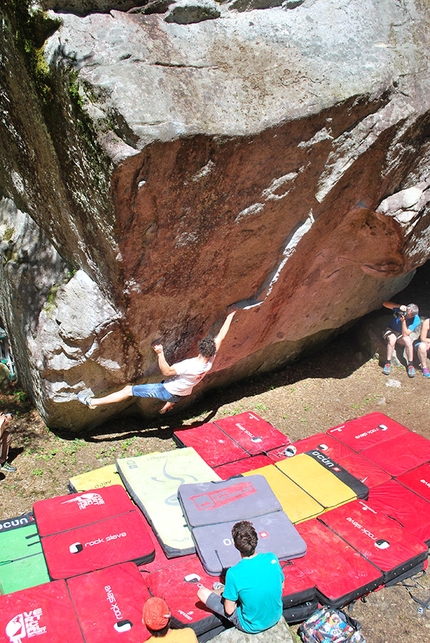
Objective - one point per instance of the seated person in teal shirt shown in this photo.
(252, 596)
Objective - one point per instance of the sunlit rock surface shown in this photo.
(274, 158)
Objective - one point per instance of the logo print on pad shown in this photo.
(86, 500)
(25, 625)
(219, 498)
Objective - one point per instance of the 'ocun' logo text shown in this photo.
(25, 625)
(14, 522)
(322, 458)
(86, 500)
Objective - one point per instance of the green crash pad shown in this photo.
(22, 563)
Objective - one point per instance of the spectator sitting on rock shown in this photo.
(5, 440)
(404, 321)
(185, 375)
(252, 596)
(156, 617)
(423, 347)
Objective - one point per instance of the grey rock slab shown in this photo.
(280, 633)
(242, 72)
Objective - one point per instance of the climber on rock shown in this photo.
(184, 375)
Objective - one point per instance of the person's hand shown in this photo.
(403, 308)
(158, 348)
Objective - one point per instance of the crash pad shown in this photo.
(22, 563)
(108, 604)
(44, 613)
(101, 477)
(153, 481)
(297, 504)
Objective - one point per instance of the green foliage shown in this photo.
(106, 453)
(20, 397)
(51, 298)
(49, 455)
(8, 234)
(73, 447)
(74, 93)
(42, 76)
(52, 295)
(31, 28)
(71, 273)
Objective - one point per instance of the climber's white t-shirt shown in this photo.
(188, 374)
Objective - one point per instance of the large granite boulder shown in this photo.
(274, 159)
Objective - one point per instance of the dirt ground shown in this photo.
(308, 397)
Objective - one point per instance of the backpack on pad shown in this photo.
(328, 625)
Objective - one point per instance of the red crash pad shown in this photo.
(276, 455)
(252, 433)
(408, 508)
(366, 431)
(365, 470)
(109, 604)
(178, 584)
(160, 559)
(417, 480)
(332, 448)
(341, 574)
(298, 586)
(400, 454)
(379, 539)
(54, 515)
(44, 614)
(108, 542)
(212, 444)
(232, 469)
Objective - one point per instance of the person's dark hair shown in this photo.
(158, 634)
(245, 537)
(207, 347)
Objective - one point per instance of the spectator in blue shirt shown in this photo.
(404, 321)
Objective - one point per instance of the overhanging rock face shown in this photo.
(276, 159)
